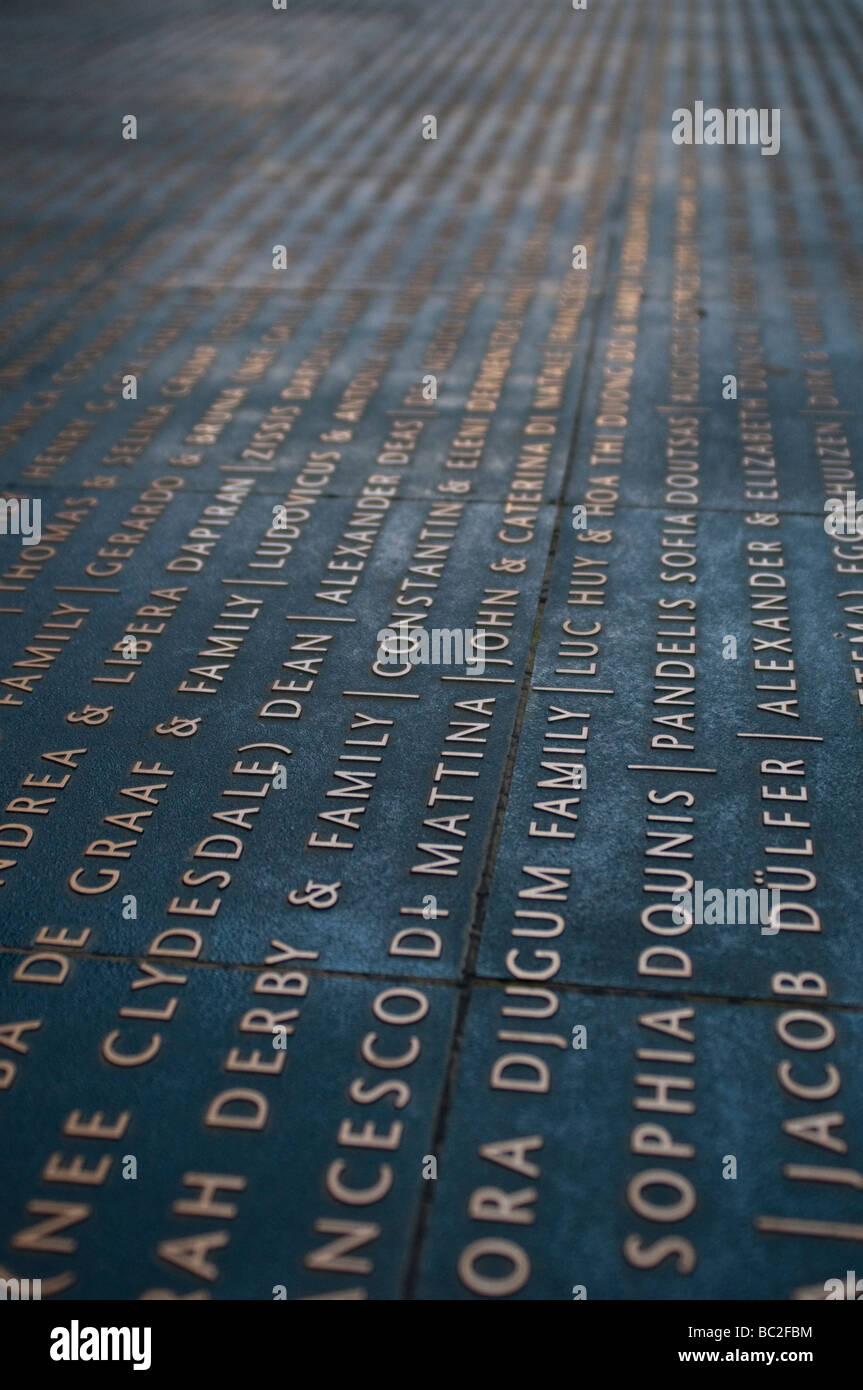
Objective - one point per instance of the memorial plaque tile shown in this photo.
(224, 1130)
(648, 1148)
(692, 717)
(463, 277)
(431, 650)
(485, 380)
(748, 387)
(232, 735)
